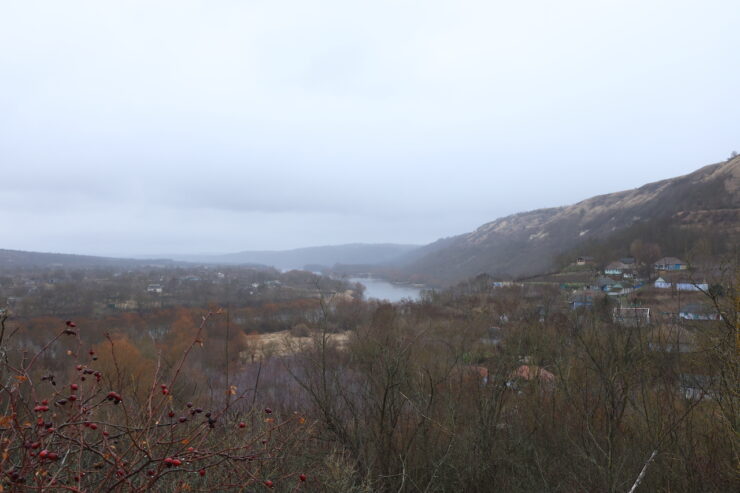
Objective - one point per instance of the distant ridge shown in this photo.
(10, 259)
(327, 256)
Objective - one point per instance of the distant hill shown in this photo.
(356, 253)
(705, 202)
(10, 259)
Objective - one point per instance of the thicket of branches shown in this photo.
(422, 397)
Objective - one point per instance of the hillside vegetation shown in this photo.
(703, 204)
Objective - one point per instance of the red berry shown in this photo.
(202, 472)
(45, 402)
(268, 410)
(115, 397)
(171, 414)
(242, 425)
(302, 477)
(268, 483)
(70, 323)
(74, 386)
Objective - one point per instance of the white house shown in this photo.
(692, 286)
(661, 283)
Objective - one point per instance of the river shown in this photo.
(384, 290)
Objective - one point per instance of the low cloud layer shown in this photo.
(177, 127)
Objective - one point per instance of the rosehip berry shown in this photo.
(302, 477)
(268, 483)
(202, 472)
(74, 386)
(242, 425)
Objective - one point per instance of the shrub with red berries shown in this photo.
(97, 437)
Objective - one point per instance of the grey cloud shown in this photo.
(137, 127)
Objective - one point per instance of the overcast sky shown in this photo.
(150, 127)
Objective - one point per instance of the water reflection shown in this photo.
(384, 290)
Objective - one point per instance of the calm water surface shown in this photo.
(383, 290)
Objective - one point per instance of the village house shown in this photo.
(661, 283)
(584, 260)
(616, 268)
(670, 263)
(502, 284)
(154, 288)
(584, 299)
(605, 283)
(698, 311)
(692, 286)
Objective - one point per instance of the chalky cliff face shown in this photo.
(527, 243)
